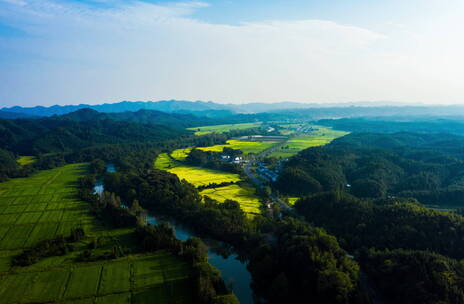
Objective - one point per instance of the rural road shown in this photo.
(258, 183)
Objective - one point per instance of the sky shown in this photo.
(231, 51)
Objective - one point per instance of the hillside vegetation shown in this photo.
(429, 167)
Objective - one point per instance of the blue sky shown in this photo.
(70, 52)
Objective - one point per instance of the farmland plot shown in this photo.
(44, 205)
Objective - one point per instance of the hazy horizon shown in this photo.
(94, 51)
(341, 103)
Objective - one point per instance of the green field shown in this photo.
(321, 137)
(45, 205)
(25, 160)
(245, 146)
(224, 128)
(198, 176)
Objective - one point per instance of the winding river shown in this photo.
(234, 272)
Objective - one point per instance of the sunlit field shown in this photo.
(25, 160)
(224, 128)
(197, 176)
(181, 154)
(44, 206)
(246, 196)
(292, 200)
(296, 144)
(245, 146)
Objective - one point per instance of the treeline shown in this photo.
(429, 167)
(288, 259)
(209, 286)
(57, 246)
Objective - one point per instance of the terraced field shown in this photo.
(224, 128)
(246, 146)
(198, 176)
(296, 144)
(43, 206)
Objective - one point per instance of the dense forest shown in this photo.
(368, 190)
(411, 123)
(429, 167)
(288, 258)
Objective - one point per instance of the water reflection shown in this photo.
(233, 271)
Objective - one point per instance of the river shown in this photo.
(233, 272)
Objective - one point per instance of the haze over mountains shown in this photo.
(215, 110)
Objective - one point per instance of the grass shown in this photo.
(245, 146)
(115, 277)
(84, 281)
(321, 137)
(25, 160)
(44, 205)
(198, 176)
(223, 128)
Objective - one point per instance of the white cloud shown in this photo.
(142, 51)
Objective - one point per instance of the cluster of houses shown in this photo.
(267, 173)
(234, 160)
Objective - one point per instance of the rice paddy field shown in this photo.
(198, 176)
(43, 206)
(246, 147)
(25, 160)
(224, 128)
(320, 137)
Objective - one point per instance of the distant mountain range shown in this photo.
(215, 110)
(168, 106)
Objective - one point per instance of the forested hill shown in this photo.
(429, 167)
(397, 124)
(144, 117)
(45, 135)
(14, 115)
